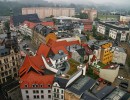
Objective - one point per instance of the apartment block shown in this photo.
(106, 53)
(43, 12)
(9, 59)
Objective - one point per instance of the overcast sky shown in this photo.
(95, 1)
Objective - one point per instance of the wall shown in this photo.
(101, 29)
(31, 94)
(71, 96)
(10, 67)
(119, 57)
(57, 94)
(47, 12)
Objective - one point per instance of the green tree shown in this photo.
(7, 26)
(94, 30)
(82, 16)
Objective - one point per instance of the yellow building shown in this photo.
(106, 53)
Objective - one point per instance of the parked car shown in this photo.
(123, 85)
(121, 77)
(25, 46)
(28, 49)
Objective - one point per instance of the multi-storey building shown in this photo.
(125, 19)
(106, 53)
(47, 12)
(34, 82)
(9, 59)
(41, 34)
(119, 55)
(114, 30)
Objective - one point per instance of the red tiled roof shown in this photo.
(55, 50)
(87, 49)
(43, 50)
(33, 78)
(29, 63)
(54, 43)
(93, 59)
(31, 25)
(48, 23)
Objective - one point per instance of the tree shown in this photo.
(7, 26)
(94, 30)
(82, 16)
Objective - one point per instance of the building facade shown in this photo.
(47, 12)
(119, 55)
(41, 34)
(114, 30)
(9, 59)
(106, 53)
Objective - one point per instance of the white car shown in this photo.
(121, 77)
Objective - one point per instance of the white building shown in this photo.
(119, 55)
(125, 19)
(101, 29)
(119, 34)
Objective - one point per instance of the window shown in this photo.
(49, 91)
(37, 91)
(34, 91)
(34, 96)
(58, 90)
(26, 91)
(62, 97)
(12, 58)
(41, 85)
(0, 62)
(2, 69)
(37, 96)
(42, 96)
(27, 96)
(26, 85)
(13, 63)
(33, 85)
(42, 91)
(49, 85)
(49, 96)
(62, 91)
(54, 89)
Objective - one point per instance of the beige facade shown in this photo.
(46, 12)
(9, 66)
(71, 96)
(92, 13)
(37, 39)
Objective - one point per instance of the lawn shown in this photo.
(103, 17)
(101, 64)
(73, 66)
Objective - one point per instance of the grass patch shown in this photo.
(91, 74)
(100, 16)
(101, 64)
(73, 66)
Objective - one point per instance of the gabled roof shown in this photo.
(31, 25)
(53, 43)
(87, 49)
(61, 81)
(43, 50)
(31, 63)
(33, 78)
(48, 23)
(19, 19)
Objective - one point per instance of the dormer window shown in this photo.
(41, 85)
(33, 85)
(49, 85)
(26, 85)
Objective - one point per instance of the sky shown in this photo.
(95, 1)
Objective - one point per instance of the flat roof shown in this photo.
(81, 85)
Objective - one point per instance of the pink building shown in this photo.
(92, 13)
(46, 12)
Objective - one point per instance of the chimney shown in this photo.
(9, 35)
